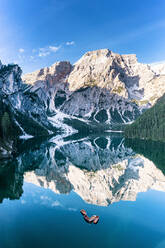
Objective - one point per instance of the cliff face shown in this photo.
(121, 74)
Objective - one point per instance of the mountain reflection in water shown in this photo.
(101, 170)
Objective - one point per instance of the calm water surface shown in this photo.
(43, 189)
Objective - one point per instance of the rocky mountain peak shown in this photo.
(120, 74)
(97, 53)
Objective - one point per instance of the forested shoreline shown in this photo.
(150, 125)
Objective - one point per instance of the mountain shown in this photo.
(87, 103)
(103, 90)
(150, 125)
(122, 75)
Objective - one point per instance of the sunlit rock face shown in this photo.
(101, 172)
(119, 74)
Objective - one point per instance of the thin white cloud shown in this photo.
(43, 54)
(42, 51)
(45, 51)
(54, 48)
(70, 43)
(21, 50)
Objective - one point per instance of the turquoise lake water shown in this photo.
(43, 189)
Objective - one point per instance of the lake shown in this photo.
(44, 187)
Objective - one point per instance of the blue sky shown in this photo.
(38, 33)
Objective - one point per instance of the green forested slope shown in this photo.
(151, 124)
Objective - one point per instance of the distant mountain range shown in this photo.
(103, 90)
